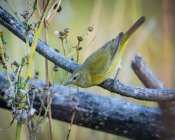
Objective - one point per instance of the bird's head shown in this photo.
(78, 78)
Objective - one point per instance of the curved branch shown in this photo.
(99, 112)
(144, 73)
(125, 90)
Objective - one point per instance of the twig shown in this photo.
(71, 123)
(36, 36)
(48, 96)
(76, 104)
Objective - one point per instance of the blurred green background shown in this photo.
(155, 41)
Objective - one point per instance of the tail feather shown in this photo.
(131, 30)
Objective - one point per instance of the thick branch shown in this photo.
(167, 125)
(100, 112)
(130, 91)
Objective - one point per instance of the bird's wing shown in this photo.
(100, 61)
(114, 45)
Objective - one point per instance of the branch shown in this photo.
(125, 90)
(99, 112)
(167, 125)
(144, 73)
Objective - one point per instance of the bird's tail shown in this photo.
(125, 38)
(131, 30)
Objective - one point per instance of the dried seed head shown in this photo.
(25, 14)
(67, 30)
(90, 28)
(80, 38)
(61, 33)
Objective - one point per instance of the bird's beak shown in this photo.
(67, 83)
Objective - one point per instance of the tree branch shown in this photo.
(99, 112)
(167, 125)
(125, 90)
(144, 73)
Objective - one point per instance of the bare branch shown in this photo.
(99, 112)
(139, 92)
(145, 74)
(167, 125)
(125, 90)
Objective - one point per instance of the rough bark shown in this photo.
(167, 118)
(98, 112)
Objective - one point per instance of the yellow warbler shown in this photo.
(100, 65)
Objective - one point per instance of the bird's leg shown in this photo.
(118, 70)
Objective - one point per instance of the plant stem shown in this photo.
(18, 130)
(36, 36)
(4, 64)
(33, 136)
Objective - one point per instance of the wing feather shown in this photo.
(100, 61)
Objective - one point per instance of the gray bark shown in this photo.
(99, 112)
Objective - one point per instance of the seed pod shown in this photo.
(67, 30)
(61, 33)
(80, 38)
(90, 28)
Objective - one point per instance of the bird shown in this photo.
(101, 64)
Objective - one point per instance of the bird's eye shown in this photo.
(74, 78)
